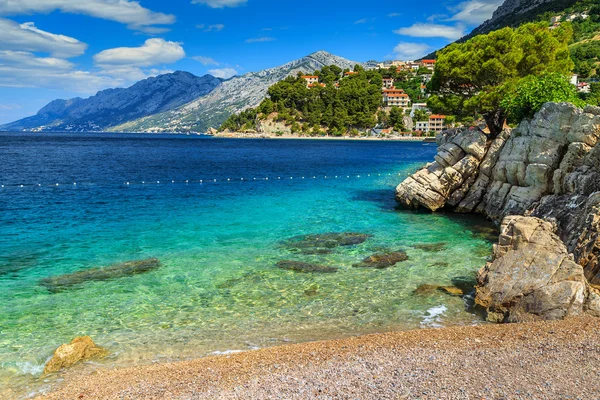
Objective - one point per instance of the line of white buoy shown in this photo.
(204, 181)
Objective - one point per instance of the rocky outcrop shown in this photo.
(547, 168)
(80, 349)
(532, 275)
(56, 284)
(382, 260)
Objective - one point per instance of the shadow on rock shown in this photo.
(382, 260)
(60, 283)
(299, 266)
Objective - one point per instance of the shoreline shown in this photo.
(238, 135)
(533, 360)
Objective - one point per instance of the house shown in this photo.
(388, 83)
(310, 79)
(422, 126)
(350, 73)
(583, 87)
(418, 106)
(555, 19)
(423, 89)
(429, 64)
(395, 98)
(315, 84)
(427, 78)
(574, 79)
(437, 123)
(413, 66)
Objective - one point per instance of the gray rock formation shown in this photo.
(547, 168)
(532, 275)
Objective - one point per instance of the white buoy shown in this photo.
(57, 184)
(187, 181)
(214, 180)
(74, 183)
(266, 179)
(21, 185)
(39, 184)
(228, 180)
(127, 183)
(143, 182)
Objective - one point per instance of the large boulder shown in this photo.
(532, 275)
(80, 349)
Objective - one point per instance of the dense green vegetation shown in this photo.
(338, 109)
(474, 76)
(586, 57)
(531, 92)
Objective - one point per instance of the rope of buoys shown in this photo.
(200, 181)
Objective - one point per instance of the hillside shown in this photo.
(513, 13)
(233, 96)
(114, 106)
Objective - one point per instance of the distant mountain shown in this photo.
(115, 106)
(234, 95)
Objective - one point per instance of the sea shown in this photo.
(219, 215)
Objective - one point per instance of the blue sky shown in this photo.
(65, 48)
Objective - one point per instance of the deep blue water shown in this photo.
(215, 213)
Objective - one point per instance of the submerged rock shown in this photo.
(299, 266)
(431, 247)
(57, 284)
(429, 289)
(322, 243)
(382, 260)
(532, 276)
(80, 349)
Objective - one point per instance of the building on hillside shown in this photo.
(429, 64)
(388, 83)
(395, 98)
(427, 78)
(556, 19)
(422, 126)
(310, 85)
(574, 79)
(584, 87)
(310, 79)
(350, 73)
(423, 89)
(413, 66)
(437, 123)
(418, 106)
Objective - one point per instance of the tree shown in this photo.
(421, 115)
(532, 92)
(397, 119)
(481, 71)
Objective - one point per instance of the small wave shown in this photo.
(432, 316)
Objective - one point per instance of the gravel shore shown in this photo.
(543, 360)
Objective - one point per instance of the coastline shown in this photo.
(533, 360)
(239, 135)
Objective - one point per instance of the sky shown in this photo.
(53, 49)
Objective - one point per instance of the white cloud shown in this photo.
(410, 51)
(224, 73)
(205, 60)
(475, 11)
(220, 3)
(214, 28)
(127, 12)
(393, 15)
(152, 52)
(26, 37)
(433, 30)
(260, 40)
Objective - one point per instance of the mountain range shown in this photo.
(175, 102)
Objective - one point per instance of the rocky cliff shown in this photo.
(547, 169)
(114, 106)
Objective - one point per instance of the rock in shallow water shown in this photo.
(431, 247)
(429, 289)
(60, 283)
(299, 266)
(382, 260)
(80, 349)
(322, 243)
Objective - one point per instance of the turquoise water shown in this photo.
(218, 288)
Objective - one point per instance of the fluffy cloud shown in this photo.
(205, 60)
(475, 11)
(220, 3)
(433, 30)
(410, 51)
(260, 40)
(26, 37)
(152, 52)
(127, 12)
(224, 73)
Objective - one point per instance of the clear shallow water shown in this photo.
(218, 242)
